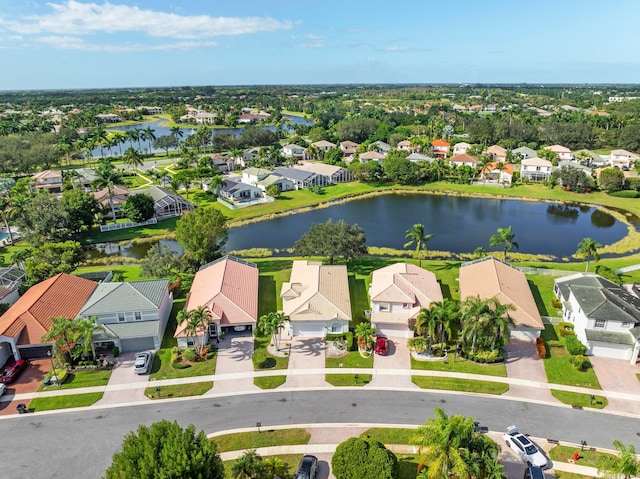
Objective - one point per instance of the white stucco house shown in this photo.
(606, 316)
(535, 169)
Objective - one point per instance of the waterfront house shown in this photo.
(236, 191)
(496, 153)
(464, 159)
(301, 178)
(562, 152)
(47, 180)
(622, 158)
(496, 172)
(166, 203)
(535, 169)
(331, 174)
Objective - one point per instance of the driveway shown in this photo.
(620, 376)
(306, 354)
(397, 358)
(27, 382)
(123, 374)
(523, 362)
(234, 357)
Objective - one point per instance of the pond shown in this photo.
(163, 131)
(459, 224)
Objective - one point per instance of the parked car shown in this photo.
(11, 372)
(3, 389)
(308, 468)
(382, 344)
(524, 448)
(143, 362)
(533, 472)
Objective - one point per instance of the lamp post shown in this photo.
(53, 368)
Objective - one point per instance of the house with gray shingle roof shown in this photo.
(301, 178)
(606, 316)
(134, 315)
(524, 152)
(166, 203)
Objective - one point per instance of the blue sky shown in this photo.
(96, 44)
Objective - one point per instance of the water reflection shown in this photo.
(601, 219)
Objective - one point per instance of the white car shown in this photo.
(3, 388)
(524, 448)
(143, 362)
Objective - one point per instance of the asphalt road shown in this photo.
(81, 443)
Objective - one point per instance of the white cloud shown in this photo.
(66, 42)
(76, 18)
(396, 48)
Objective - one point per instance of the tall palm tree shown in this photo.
(475, 316)
(176, 132)
(271, 324)
(119, 139)
(426, 322)
(248, 466)
(625, 465)
(504, 237)
(500, 321)
(8, 211)
(275, 467)
(86, 329)
(217, 181)
(588, 248)
(132, 158)
(198, 321)
(150, 135)
(63, 331)
(417, 237)
(108, 176)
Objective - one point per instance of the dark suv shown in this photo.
(533, 472)
(308, 468)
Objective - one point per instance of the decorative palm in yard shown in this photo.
(364, 334)
(271, 324)
(486, 321)
(417, 237)
(588, 248)
(504, 237)
(197, 320)
(625, 465)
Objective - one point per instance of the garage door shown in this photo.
(136, 344)
(308, 329)
(34, 352)
(393, 330)
(609, 351)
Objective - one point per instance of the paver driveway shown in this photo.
(234, 357)
(523, 362)
(123, 375)
(28, 382)
(306, 353)
(618, 375)
(397, 358)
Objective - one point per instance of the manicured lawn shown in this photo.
(351, 360)
(162, 368)
(557, 366)
(388, 435)
(407, 466)
(579, 399)
(81, 379)
(264, 438)
(542, 288)
(267, 301)
(348, 379)
(359, 299)
(120, 272)
(64, 402)
(564, 453)
(454, 384)
(291, 460)
(461, 366)
(570, 475)
(179, 390)
(269, 382)
(260, 355)
(164, 227)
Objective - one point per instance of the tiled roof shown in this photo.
(320, 168)
(134, 296)
(558, 149)
(490, 277)
(371, 155)
(60, 296)
(324, 144)
(536, 162)
(440, 143)
(464, 158)
(229, 288)
(136, 329)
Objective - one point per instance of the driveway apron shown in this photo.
(306, 354)
(618, 375)
(523, 362)
(27, 382)
(387, 367)
(234, 357)
(123, 375)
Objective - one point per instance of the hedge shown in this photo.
(624, 194)
(574, 346)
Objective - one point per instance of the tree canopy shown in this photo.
(165, 450)
(202, 233)
(358, 458)
(138, 208)
(332, 240)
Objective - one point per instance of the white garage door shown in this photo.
(393, 330)
(312, 329)
(610, 351)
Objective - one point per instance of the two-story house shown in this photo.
(606, 316)
(47, 180)
(440, 148)
(460, 148)
(535, 169)
(622, 158)
(562, 152)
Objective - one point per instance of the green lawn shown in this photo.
(269, 382)
(557, 366)
(162, 368)
(388, 435)
(348, 379)
(564, 453)
(81, 379)
(64, 402)
(351, 360)
(407, 466)
(461, 366)
(125, 273)
(579, 399)
(261, 356)
(264, 438)
(179, 390)
(542, 288)
(454, 384)
(359, 299)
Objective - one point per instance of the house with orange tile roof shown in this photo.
(228, 288)
(440, 148)
(464, 159)
(496, 172)
(398, 292)
(316, 299)
(491, 278)
(28, 319)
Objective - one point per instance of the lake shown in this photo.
(459, 224)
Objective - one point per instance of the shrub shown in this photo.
(542, 350)
(608, 273)
(188, 354)
(574, 346)
(566, 329)
(419, 344)
(565, 325)
(180, 365)
(116, 351)
(624, 194)
(556, 303)
(175, 354)
(580, 362)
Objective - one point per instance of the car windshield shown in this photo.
(140, 360)
(530, 449)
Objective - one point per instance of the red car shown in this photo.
(381, 345)
(10, 373)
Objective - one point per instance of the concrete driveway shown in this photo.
(123, 375)
(618, 375)
(397, 358)
(234, 357)
(306, 354)
(28, 382)
(523, 362)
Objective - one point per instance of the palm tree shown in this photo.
(417, 237)
(176, 132)
(217, 181)
(86, 329)
(441, 444)
(119, 139)
(500, 321)
(364, 333)
(475, 318)
(107, 177)
(132, 158)
(271, 324)
(588, 248)
(275, 467)
(62, 331)
(447, 313)
(504, 237)
(8, 211)
(198, 321)
(426, 322)
(625, 465)
(248, 466)
(150, 135)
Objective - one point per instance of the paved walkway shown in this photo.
(122, 375)
(397, 359)
(306, 363)
(522, 362)
(234, 358)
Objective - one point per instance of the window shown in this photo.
(625, 324)
(336, 328)
(137, 316)
(405, 305)
(600, 323)
(191, 342)
(384, 306)
(121, 318)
